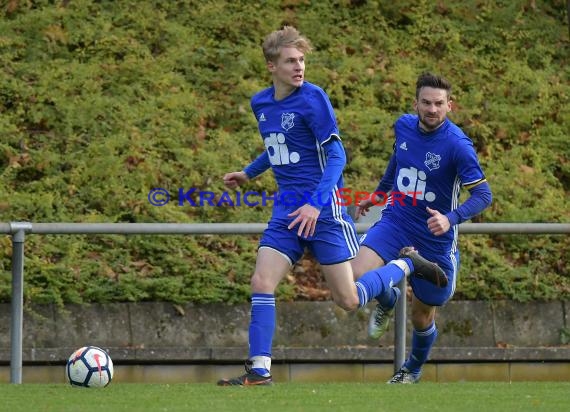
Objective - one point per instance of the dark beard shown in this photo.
(427, 128)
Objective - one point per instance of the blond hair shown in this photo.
(288, 36)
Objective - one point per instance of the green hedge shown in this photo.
(100, 101)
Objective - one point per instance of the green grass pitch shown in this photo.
(377, 397)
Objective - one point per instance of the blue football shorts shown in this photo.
(334, 241)
(387, 237)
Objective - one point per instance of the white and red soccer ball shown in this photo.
(90, 367)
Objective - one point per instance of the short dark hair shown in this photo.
(428, 79)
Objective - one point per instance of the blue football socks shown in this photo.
(422, 342)
(388, 299)
(379, 281)
(261, 327)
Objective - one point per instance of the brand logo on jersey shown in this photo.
(262, 117)
(287, 120)
(432, 160)
(412, 181)
(278, 151)
(403, 146)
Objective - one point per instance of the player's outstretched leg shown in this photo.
(423, 268)
(249, 378)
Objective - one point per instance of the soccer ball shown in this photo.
(90, 367)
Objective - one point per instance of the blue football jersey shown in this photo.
(293, 131)
(430, 170)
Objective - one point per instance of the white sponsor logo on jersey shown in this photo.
(278, 150)
(413, 182)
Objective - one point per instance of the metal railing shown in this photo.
(19, 230)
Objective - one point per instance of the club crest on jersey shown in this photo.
(287, 120)
(432, 160)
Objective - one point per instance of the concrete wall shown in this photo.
(306, 331)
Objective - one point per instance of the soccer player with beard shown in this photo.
(432, 160)
(303, 148)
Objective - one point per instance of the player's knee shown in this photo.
(261, 284)
(348, 303)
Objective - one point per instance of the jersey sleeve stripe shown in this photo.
(471, 185)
